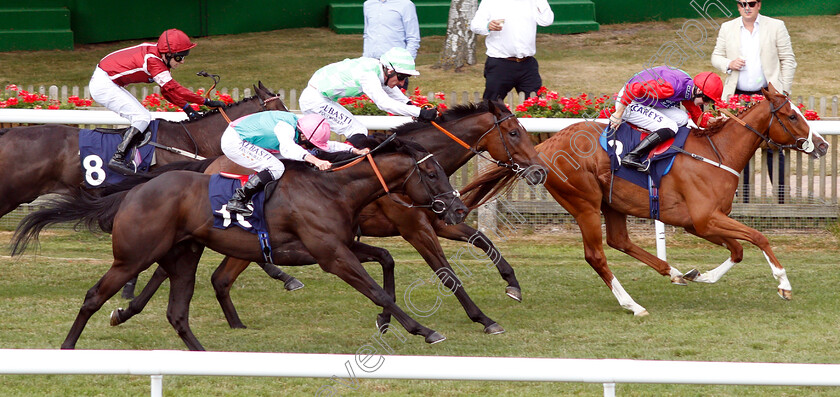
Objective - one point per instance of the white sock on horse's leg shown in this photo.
(712, 276)
(625, 300)
(779, 274)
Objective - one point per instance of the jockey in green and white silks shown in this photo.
(378, 79)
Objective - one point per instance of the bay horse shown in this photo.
(310, 216)
(42, 159)
(695, 195)
(486, 126)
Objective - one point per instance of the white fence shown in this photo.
(608, 372)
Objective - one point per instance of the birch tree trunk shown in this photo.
(459, 45)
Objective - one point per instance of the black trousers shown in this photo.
(502, 75)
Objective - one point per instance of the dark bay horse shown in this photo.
(486, 127)
(310, 216)
(695, 195)
(43, 159)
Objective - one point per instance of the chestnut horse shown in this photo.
(310, 216)
(43, 159)
(482, 127)
(695, 195)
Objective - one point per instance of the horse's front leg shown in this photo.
(336, 258)
(719, 224)
(369, 253)
(290, 283)
(736, 254)
(137, 304)
(422, 237)
(463, 232)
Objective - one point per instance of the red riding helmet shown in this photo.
(174, 41)
(710, 84)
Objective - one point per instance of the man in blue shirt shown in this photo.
(388, 24)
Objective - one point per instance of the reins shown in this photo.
(515, 167)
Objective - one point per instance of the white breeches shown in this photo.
(341, 120)
(653, 119)
(118, 99)
(249, 155)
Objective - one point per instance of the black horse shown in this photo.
(310, 216)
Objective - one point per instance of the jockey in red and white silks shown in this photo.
(378, 79)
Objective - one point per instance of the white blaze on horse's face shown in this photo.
(807, 146)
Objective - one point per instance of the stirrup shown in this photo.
(239, 207)
(121, 167)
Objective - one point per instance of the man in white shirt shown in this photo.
(511, 30)
(754, 50)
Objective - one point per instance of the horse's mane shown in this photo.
(212, 112)
(455, 113)
(718, 126)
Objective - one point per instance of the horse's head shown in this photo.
(427, 184)
(788, 128)
(507, 141)
(268, 99)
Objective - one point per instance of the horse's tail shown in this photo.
(95, 213)
(137, 179)
(486, 186)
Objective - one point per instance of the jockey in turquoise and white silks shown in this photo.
(246, 142)
(376, 78)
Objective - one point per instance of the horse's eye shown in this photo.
(432, 175)
(514, 132)
(792, 117)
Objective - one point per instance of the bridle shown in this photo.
(437, 204)
(803, 144)
(514, 166)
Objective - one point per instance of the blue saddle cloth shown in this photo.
(97, 148)
(625, 139)
(221, 189)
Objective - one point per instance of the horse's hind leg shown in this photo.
(181, 265)
(718, 224)
(736, 254)
(618, 238)
(104, 289)
(290, 283)
(128, 289)
(137, 304)
(462, 232)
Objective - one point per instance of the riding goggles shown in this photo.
(402, 76)
(179, 56)
(744, 4)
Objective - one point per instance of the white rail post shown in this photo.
(660, 240)
(609, 389)
(157, 385)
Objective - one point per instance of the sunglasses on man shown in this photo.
(744, 4)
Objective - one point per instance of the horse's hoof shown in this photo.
(785, 294)
(642, 313)
(514, 293)
(238, 326)
(435, 337)
(691, 275)
(115, 317)
(293, 285)
(382, 323)
(678, 280)
(494, 329)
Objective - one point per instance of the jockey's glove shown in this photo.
(191, 113)
(213, 103)
(428, 114)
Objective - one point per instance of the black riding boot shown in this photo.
(118, 163)
(239, 202)
(633, 159)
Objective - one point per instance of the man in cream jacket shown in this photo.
(754, 50)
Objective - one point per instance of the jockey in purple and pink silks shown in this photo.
(651, 100)
(246, 142)
(143, 63)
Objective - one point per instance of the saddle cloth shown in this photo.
(661, 158)
(221, 189)
(96, 149)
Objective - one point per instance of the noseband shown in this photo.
(515, 167)
(438, 205)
